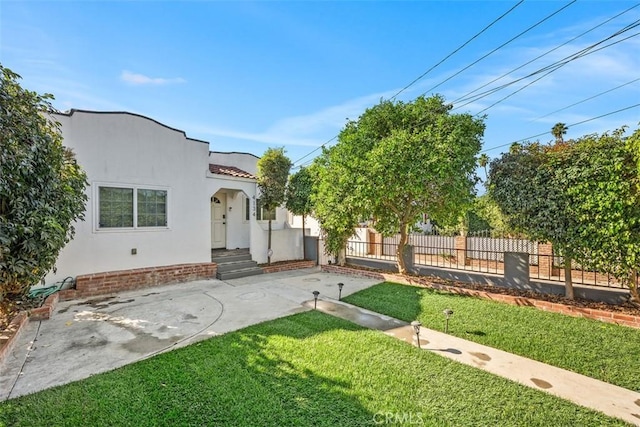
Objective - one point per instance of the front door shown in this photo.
(219, 221)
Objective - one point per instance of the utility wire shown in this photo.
(456, 51)
(551, 71)
(554, 66)
(429, 70)
(585, 100)
(467, 96)
(568, 126)
(501, 46)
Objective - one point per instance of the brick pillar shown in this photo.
(545, 260)
(460, 245)
(376, 241)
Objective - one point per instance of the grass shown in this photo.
(599, 350)
(306, 369)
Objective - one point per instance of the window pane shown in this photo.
(247, 209)
(263, 214)
(115, 207)
(152, 208)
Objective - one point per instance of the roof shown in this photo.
(230, 171)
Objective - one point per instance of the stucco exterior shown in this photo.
(125, 150)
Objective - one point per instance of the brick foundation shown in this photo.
(602, 315)
(293, 265)
(127, 280)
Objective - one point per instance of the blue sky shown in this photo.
(246, 76)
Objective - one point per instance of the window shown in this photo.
(263, 214)
(247, 209)
(122, 207)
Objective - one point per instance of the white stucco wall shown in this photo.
(310, 223)
(126, 149)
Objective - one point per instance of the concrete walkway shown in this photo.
(585, 391)
(87, 337)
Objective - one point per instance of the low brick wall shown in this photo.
(127, 280)
(293, 265)
(602, 315)
(9, 336)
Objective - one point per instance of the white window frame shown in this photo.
(135, 187)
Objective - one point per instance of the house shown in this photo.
(158, 199)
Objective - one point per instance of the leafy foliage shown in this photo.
(41, 187)
(273, 172)
(581, 195)
(398, 161)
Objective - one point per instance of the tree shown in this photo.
(558, 131)
(298, 198)
(41, 187)
(273, 171)
(603, 188)
(483, 161)
(523, 184)
(399, 160)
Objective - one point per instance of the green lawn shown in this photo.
(599, 350)
(303, 370)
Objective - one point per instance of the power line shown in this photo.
(555, 65)
(427, 72)
(568, 126)
(501, 46)
(467, 96)
(585, 100)
(458, 49)
(551, 71)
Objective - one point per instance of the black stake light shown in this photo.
(340, 285)
(416, 328)
(315, 299)
(447, 313)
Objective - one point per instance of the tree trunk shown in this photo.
(342, 257)
(633, 289)
(404, 237)
(304, 247)
(568, 280)
(269, 245)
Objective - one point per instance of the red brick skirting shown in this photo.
(602, 315)
(9, 336)
(127, 280)
(293, 265)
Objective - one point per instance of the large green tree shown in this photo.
(273, 172)
(602, 185)
(523, 184)
(41, 187)
(298, 198)
(399, 160)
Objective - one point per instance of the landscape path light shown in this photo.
(340, 285)
(416, 328)
(315, 299)
(447, 313)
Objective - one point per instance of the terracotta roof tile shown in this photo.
(230, 171)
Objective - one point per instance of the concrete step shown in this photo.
(236, 265)
(222, 256)
(235, 274)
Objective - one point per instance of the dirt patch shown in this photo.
(12, 305)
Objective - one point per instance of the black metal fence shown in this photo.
(481, 254)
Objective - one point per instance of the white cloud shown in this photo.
(140, 79)
(310, 130)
